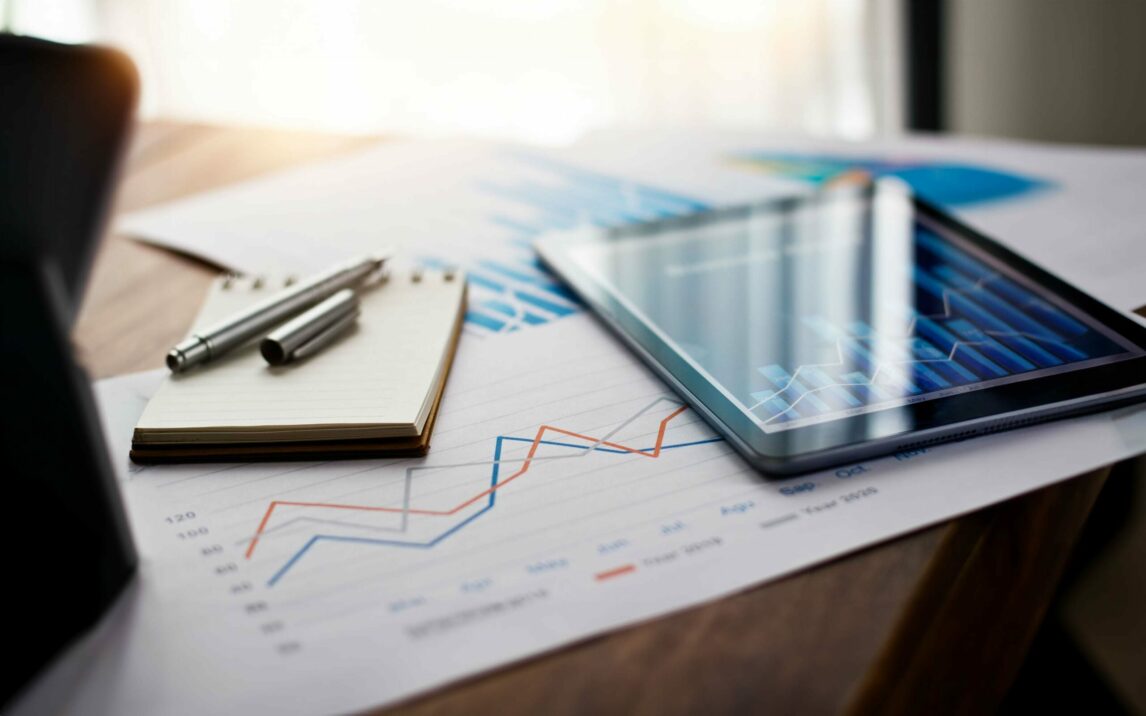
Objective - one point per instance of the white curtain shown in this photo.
(537, 70)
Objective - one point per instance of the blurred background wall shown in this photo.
(1053, 70)
(549, 70)
(539, 70)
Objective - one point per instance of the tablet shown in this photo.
(822, 330)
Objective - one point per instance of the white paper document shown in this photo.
(468, 204)
(1076, 211)
(567, 493)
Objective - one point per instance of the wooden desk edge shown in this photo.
(918, 667)
(960, 642)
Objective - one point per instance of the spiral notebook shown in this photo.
(374, 393)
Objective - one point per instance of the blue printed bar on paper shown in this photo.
(480, 319)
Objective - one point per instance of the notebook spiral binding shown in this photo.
(260, 281)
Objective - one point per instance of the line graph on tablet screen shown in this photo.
(967, 326)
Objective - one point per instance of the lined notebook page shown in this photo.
(378, 380)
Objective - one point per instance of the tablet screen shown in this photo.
(820, 312)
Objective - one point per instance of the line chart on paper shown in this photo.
(545, 474)
(487, 497)
(565, 487)
(566, 494)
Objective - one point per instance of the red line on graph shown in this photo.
(655, 452)
(617, 572)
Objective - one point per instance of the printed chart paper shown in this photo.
(567, 494)
(1076, 211)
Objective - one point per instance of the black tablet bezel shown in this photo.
(857, 437)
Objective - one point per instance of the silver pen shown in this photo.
(312, 330)
(214, 341)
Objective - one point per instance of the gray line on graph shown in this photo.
(284, 527)
(582, 453)
(409, 478)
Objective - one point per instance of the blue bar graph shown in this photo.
(1011, 361)
(964, 325)
(487, 322)
(785, 382)
(877, 391)
(970, 355)
(959, 303)
(529, 276)
(831, 389)
(1055, 317)
(776, 406)
(901, 378)
(535, 195)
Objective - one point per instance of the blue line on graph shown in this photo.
(494, 474)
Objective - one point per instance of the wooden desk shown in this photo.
(939, 620)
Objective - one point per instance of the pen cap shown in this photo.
(280, 345)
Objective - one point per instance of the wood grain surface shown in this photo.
(937, 621)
